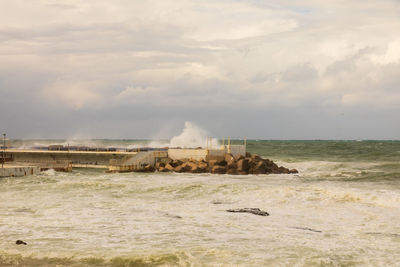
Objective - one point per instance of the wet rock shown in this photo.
(255, 211)
(255, 157)
(239, 157)
(176, 163)
(243, 165)
(169, 167)
(148, 168)
(20, 242)
(232, 172)
(218, 169)
(293, 171)
(229, 158)
(160, 165)
(179, 168)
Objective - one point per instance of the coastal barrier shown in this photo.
(17, 171)
(61, 158)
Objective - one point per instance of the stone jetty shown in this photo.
(240, 165)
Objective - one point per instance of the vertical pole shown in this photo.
(4, 150)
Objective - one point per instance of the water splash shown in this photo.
(192, 136)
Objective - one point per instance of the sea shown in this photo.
(341, 209)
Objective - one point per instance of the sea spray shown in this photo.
(192, 136)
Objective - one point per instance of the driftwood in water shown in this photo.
(255, 211)
(20, 242)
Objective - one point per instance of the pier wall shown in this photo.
(16, 171)
(75, 157)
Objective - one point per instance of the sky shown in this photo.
(303, 69)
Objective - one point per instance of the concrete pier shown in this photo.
(112, 161)
(17, 171)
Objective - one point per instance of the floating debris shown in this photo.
(255, 211)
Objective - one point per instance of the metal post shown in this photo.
(4, 150)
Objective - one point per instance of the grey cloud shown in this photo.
(147, 70)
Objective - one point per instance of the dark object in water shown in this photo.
(20, 242)
(308, 229)
(255, 211)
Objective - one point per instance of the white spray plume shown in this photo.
(192, 136)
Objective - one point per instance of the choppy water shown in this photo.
(343, 209)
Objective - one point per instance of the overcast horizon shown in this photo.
(273, 70)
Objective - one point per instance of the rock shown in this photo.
(239, 157)
(283, 170)
(148, 168)
(179, 168)
(232, 165)
(229, 158)
(169, 167)
(176, 163)
(218, 169)
(256, 157)
(232, 172)
(163, 169)
(248, 155)
(255, 211)
(187, 166)
(160, 165)
(243, 165)
(293, 171)
(212, 162)
(260, 168)
(20, 242)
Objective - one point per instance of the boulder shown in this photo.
(169, 167)
(260, 168)
(159, 165)
(256, 157)
(163, 169)
(239, 157)
(232, 165)
(293, 171)
(229, 158)
(188, 166)
(176, 163)
(148, 168)
(218, 169)
(232, 172)
(179, 168)
(283, 170)
(243, 165)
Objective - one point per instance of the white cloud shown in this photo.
(189, 54)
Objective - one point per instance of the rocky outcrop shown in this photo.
(250, 164)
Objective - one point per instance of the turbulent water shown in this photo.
(342, 209)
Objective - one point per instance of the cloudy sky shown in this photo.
(306, 69)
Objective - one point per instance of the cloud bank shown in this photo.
(126, 69)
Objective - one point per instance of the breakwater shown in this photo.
(225, 160)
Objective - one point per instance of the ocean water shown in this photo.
(342, 209)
